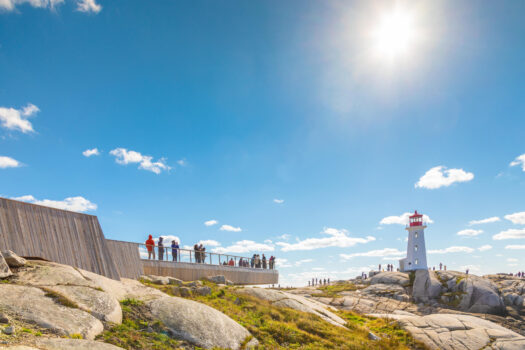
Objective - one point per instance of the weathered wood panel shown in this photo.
(192, 272)
(57, 235)
(126, 257)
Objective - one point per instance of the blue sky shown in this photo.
(212, 110)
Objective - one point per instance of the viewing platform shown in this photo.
(76, 239)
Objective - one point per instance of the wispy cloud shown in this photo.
(470, 232)
(230, 228)
(278, 201)
(440, 176)
(17, 119)
(402, 219)
(244, 246)
(333, 238)
(8, 162)
(91, 152)
(485, 247)
(515, 247)
(88, 6)
(210, 222)
(516, 218)
(209, 242)
(124, 156)
(82, 5)
(510, 234)
(78, 204)
(386, 252)
(520, 160)
(484, 221)
(454, 249)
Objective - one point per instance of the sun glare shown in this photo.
(394, 35)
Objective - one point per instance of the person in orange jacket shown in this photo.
(150, 243)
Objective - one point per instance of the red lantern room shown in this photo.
(416, 219)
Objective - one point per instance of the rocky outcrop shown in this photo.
(426, 286)
(296, 302)
(32, 305)
(199, 323)
(4, 268)
(393, 291)
(12, 259)
(220, 279)
(453, 332)
(396, 278)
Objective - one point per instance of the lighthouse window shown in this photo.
(417, 263)
(415, 248)
(415, 235)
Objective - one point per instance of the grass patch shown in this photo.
(60, 298)
(333, 290)
(138, 330)
(411, 278)
(76, 336)
(284, 328)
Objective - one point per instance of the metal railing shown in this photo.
(177, 255)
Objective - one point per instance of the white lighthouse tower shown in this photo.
(416, 252)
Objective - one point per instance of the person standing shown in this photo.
(440, 266)
(264, 262)
(161, 248)
(379, 268)
(150, 246)
(175, 250)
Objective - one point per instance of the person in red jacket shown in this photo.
(150, 243)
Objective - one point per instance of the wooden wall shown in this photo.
(126, 257)
(192, 272)
(57, 235)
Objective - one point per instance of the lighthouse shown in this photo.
(416, 252)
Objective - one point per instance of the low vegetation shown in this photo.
(284, 328)
(333, 290)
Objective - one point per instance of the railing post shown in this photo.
(190, 255)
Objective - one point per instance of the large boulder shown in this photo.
(398, 278)
(199, 323)
(4, 268)
(100, 304)
(220, 279)
(73, 344)
(12, 259)
(426, 286)
(44, 273)
(453, 331)
(394, 291)
(480, 295)
(297, 302)
(32, 305)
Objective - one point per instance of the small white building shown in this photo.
(416, 252)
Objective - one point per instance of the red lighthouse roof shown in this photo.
(416, 219)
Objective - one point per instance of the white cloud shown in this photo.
(8, 162)
(484, 221)
(516, 218)
(519, 160)
(16, 119)
(485, 247)
(335, 238)
(182, 162)
(454, 249)
(124, 156)
(386, 252)
(303, 261)
(282, 263)
(209, 242)
(402, 219)
(510, 234)
(78, 204)
(88, 6)
(230, 228)
(284, 236)
(91, 152)
(512, 260)
(515, 247)
(244, 246)
(441, 176)
(470, 232)
(278, 201)
(211, 222)
(166, 239)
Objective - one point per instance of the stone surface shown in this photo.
(453, 332)
(297, 302)
(175, 281)
(44, 273)
(481, 296)
(4, 268)
(426, 286)
(394, 291)
(220, 279)
(185, 291)
(31, 304)
(162, 280)
(73, 344)
(205, 290)
(3, 318)
(12, 259)
(398, 278)
(100, 304)
(199, 323)
(9, 330)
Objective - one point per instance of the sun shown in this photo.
(394, 35)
